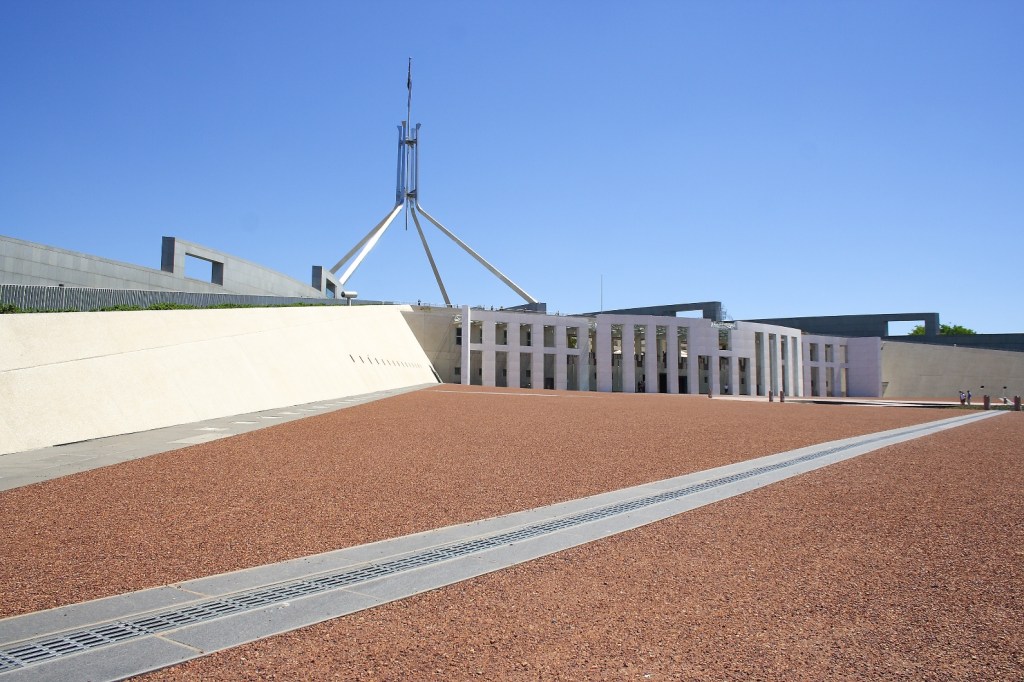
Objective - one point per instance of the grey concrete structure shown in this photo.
(932, 371)
(878, 325)
(711, 310)
(23, 262)
(855, 325)
(1006, 342)
(65, 299)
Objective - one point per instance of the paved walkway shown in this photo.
(32, 466)
(129, 634)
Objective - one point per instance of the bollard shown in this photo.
(782, 397)
(1016, 403)
(771, 397)
(709, 394)
(987, 401)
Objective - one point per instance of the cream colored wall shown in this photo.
(914, 370)
(434, 328)
(67, 377)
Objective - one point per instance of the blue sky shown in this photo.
(785, 158)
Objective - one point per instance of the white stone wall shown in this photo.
(74, 376)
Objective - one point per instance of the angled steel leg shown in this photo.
(465, 247)
(368, 243)
(430, 258)
(344, 259)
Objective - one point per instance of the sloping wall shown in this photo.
(912, 370)
(67, 377)
(23, 262)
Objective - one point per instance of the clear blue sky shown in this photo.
(786, 158)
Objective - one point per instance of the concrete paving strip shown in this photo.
(130, 634)
(32, 466)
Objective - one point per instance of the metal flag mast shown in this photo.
(407, 197)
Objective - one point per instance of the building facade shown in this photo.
(641, 354)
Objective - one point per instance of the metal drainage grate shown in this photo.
(55, 646)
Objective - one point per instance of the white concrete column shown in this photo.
(584, 358)
(603, 356)
(777, 365)
(628, 359)
(651, 358)
(487, 359)
(467, 332)
(672, 362)
(561, 351)
(798, 365)
(537, 358)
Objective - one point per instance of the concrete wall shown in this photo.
(1014, 342)
(23, 262)
(923, 371)
(67, 377)
(865, 367)
(855, 325)
(435, 330)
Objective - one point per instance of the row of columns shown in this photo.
(702, 340)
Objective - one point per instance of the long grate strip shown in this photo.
(55, 646)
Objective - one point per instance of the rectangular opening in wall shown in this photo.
(501, 334)
(682, 339)
(724, 339)
(639, 343)
(549, 370)
(476, 332)
(661, 348)
(724, 374)
(501, 368)
(476, 368)
(549, 336)
(198, 268)
(828, 353)
(331, 290)
(572, 337)
(704, 373)
(813, 352)
(524, 370)
(526, 335)
(572, 372)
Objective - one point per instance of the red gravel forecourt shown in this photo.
(903, 563)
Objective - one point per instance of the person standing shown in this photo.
(963, 398)
(968, 397)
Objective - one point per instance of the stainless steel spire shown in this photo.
(407, 197)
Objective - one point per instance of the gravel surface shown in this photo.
(402, 465)
(902, 564)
